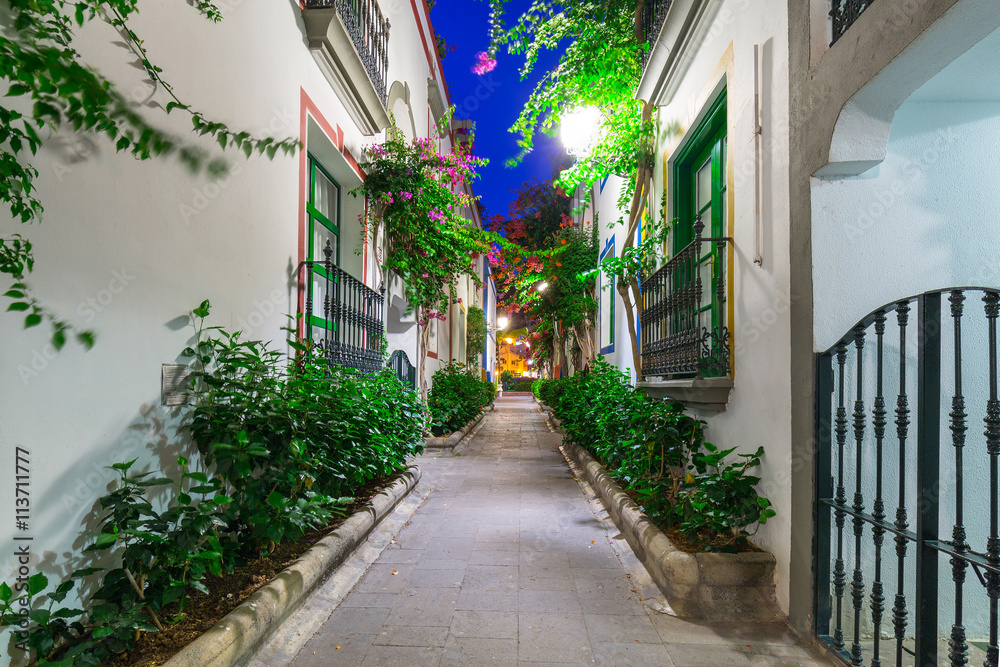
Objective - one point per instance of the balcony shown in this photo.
(685, 339)
(844, 13)
(654, 13)
(344, 317)
(350, 41)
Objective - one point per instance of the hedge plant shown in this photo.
(285, 442)
(659, 454)
(457, 396)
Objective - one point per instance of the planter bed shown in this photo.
(227, 626)
(698, 586)
(449, 441)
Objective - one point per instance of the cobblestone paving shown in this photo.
(505, 563)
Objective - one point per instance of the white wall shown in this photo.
(921, 220)
(605, 198)
(128, 248)
(759, 406)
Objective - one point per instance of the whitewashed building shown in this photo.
(127, 248)
(842, 156)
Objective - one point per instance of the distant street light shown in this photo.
(580, 130)
(502, 322)
(543, 287)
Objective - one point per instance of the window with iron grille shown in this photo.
(684, 329)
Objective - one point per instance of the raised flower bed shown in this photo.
(655, 475)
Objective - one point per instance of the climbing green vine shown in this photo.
(52, 88)
(600, 64)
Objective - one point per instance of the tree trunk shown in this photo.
(423, 342)
(630, 292)
(586, 340)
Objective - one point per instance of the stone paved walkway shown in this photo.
(506, 563)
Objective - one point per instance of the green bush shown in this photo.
(659, 453)
(286, 442)
(457, 396)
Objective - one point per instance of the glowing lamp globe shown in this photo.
(580, 130)
(502, 321)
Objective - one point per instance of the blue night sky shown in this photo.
(501, 96)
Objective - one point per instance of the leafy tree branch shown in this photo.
(52, 88)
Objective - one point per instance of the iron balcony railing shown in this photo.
(845, 13)
(908, 500)
(369, 31)
(344, 316)
(654, 13)
(683, 327)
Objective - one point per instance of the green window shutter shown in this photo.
(700, 189)
(323, 208)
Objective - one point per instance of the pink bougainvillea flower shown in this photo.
(484, 64)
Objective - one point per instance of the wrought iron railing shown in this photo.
(369, 31)
(683, 319)
(874, 605)
(405, 371)
(344, 316)
(845, 13)
(654, 13)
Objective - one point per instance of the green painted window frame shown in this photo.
(708, 142)
(318, 217)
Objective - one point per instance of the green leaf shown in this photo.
(222, 500)
(276, 500)
(18, 306)
(102, 631)
(5, 592)
(124, 466)
(86, 338)
(159, 481)
(86, 572)
(104, 541)
(37, 583)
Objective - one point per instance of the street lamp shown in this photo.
(502, 322)
(580, 130)
(543, 287)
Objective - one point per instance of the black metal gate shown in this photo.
(405, 371)
(899, 600)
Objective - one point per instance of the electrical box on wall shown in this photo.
(174, 384)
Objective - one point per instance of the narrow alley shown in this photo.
(505, 562)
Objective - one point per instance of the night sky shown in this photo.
(494, 100)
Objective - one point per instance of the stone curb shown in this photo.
(701, 586)
(233, 640)
(449, 441)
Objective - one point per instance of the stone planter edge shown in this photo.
(449, 441)
(703, 586)
(235, 638)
